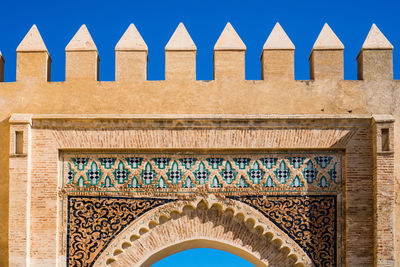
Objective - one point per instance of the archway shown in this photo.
(233, 227)
(200, 257)
(201, 243)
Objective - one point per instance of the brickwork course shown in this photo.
(279, 171)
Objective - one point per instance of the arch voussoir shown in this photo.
(205, 222)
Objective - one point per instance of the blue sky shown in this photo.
(205, 19)
(203, 257)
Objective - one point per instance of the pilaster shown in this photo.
(19, 190)
(384, 195)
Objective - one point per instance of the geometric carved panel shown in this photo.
(94, 221)
(308, 220)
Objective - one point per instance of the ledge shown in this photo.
(191, 121)
(383, 118)
(197, 116)
(385, 153)
(17, 118)
(13, 155)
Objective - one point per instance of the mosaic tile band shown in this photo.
(292, 171)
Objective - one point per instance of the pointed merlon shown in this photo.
(278, 40)
(327, 39)
(1, 68)
(180, 40)
(32, 41)
(131, 41)
(82, 41)
(376, 40)
(229, 40)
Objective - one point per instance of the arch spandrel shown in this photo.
(226, 224)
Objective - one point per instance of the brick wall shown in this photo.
(353, 136)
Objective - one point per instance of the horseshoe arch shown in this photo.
(231, 226)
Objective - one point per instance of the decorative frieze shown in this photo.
(298, 171)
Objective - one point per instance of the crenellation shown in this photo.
(2, 61)
(131, 56)
(180, 56)
(277, 58)
(81, 57)
(33, 59)
(375, 60)
(326, 59)
(229, 55)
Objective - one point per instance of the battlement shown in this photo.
(375, 59)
